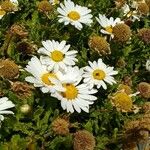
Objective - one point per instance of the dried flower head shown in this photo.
(148, 3)
(127, 145)
(146, 107)
(143, 8)
(144, 35)
(144, 89)
(44, 6)
(145, 122)
(18, 30)
(122, 102)
(99, 44)
(121, 63)
(8, 69)
(22, 89)
(83, 140)
(122, 32)
(8, 6)
(127, 89)
(60, 126)
(137, 130)
(25, 48)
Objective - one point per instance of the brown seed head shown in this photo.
(122, 33)
(129, 145)
(146, 107)
(25, 48)
(144, 35)
(144, 89)
(138, 130)
(8, 69)
(99, 44)
(18, 30)
(60, 126)
(143, 8)
(44, 6)
(7, 6)
(83, 140)
(148, 3)
(121, 63)
(22, 89)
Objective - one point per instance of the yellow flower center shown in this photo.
(122, 101)
(74, 15)
(99, 74)
(57, 56)
(45, 78)
(2, 12)
(109, 29)
(71, 92)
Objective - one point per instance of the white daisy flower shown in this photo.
(133, 14)
(108, 24)
(98, 73)
(57, 55)
(2, 13)
(148, 65)
(5, 104)
(74, 14)
(41, 77)
(54, 2)
(75, 96)
(71, 75)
